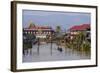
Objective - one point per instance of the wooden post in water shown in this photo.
(51, 45)
(38, 46)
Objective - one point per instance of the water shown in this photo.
(45, 53)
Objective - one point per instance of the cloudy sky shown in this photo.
(53, 18)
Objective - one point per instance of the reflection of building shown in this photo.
(39, 31)
(75, 30)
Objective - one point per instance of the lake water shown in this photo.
(45, 53)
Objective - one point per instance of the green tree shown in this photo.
(81, 42)
(58, 29)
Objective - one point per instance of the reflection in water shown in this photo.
(56, 53)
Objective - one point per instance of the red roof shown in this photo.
(40, 27)
(80, 27)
